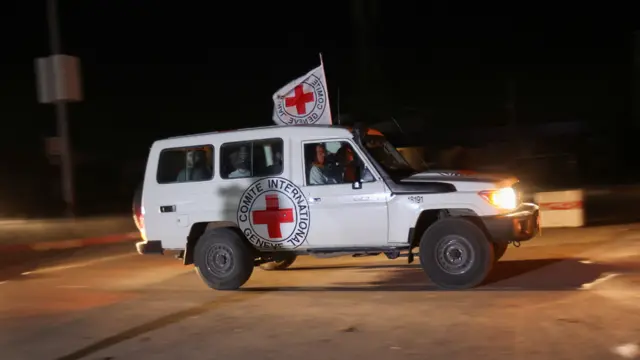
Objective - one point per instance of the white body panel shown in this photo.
(404, 210)
(340, 216)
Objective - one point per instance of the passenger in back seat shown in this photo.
(196, 169)
(240, 160)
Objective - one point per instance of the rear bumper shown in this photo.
(151, 247)
(522, 224)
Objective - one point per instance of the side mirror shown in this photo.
(357, 184)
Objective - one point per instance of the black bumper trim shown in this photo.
(150, 247)
(522, 224)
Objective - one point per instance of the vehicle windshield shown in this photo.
(387, 156)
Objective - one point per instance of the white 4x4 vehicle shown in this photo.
(230, 201)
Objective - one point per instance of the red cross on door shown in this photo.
(273, 216)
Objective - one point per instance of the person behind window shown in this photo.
(240, 161)
(347, 160)
(318, 174)
(276, 168)
(345, 156)
(196, 168)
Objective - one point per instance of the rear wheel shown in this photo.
(282, 263)
(499, 250)
(223, 260)
(456, 254)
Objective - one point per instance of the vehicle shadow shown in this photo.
(231, 195)
(353, 267)
(515, 275)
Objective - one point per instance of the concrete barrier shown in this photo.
(561, 208)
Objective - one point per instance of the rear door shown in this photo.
(174, 189)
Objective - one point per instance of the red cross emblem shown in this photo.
(273, 216)
(567, 205)
(299, 100)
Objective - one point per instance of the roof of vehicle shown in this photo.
(293, 128)
(270, 131)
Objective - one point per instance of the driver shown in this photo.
(345, 154)
(349, 163)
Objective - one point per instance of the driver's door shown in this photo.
(340, 215)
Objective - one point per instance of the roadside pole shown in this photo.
(58, 79)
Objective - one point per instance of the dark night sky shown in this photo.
(153, 69)
(168, 66)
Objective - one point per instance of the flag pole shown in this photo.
(324, 78)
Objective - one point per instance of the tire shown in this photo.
(282, 264)
(223, 259)
(459, 238)
(499, 250)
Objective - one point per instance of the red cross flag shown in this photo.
(303, 100)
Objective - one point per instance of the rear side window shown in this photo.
(188, 164)
(255, 158)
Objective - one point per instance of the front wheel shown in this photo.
(456, 254)
(223, 260)
(281, 264)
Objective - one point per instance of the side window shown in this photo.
(256, 158)
(332, 162)
(186, 164)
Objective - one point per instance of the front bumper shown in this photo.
(150, 247)
(522, 224)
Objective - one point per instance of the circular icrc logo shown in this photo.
(304, 104)
(273, 213)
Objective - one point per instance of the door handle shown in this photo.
(361, 198)
(167, 208)
(315, 200)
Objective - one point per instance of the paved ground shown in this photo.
(571, 295)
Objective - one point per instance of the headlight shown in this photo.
(504, 198)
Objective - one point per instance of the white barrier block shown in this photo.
(561, 208)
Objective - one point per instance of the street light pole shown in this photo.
(66, 161)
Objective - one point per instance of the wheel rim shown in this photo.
(220, 260)
(454, 255)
